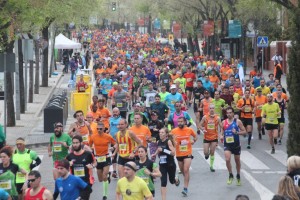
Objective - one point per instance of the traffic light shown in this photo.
(114, 6)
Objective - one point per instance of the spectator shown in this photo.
(287, 189)
(277, 58)
(2, 136)
(293, 168)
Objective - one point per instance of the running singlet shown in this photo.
(231, 139)
(211, 127)
(175, 118)
(183, 141)
(206, 105)
(126, 144)
(35, 197)
(84, 132)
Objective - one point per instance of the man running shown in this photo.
(209, 125)
(184, 144)
(260, 100)
(231, 129)
(102, 142)
(80, 127)
(282, 105)
(81, 164)
(270, 113)
(198, 94)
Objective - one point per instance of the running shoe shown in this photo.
(279, 141)
(248, 146)
(184, 192)
(238, 180)
(198, 132)
(212, 169)
(177, 181)
(230, 179)
(272, 151)
(104, 198)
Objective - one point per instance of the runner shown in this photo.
(204, 104)
(102, 142)
(282, 105)
(141, 131)
(163, 93)
(246, 106)
(119, 99)
(270, 114)
(231, 130)
(184, 144)
(167, 166)
(149, 95)
(36, 190)
(198, 94)
(260, 100)
(147, 169)
(173, 117)
(219, 104)
(80, 127)
(105, 85)
(136, 110)
(209, 126)
(24, 158)
(81, 164)
(190, 79)
(58, 146)
(132, 187)
(161, 108)
(172, 98)
(104, 113)
(68, 186)
(126, 148)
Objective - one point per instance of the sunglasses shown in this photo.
(31, 180)
(100, 128)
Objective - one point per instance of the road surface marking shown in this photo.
(279, 155)
(219, 162)
(263, 192)
(251, 161)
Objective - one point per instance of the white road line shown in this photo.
(251, 161)
(268, 172)
(41, 157)
(263, 192)
(279, 155)
(219, 163)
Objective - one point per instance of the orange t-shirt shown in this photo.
(206, 104)
(105, 114)
(247, 113)
(94, 128)
(224, 73)
(211, 127)
(99, 71)
(101, 143)
(96, 115)
(174, 77)
(111, 92)
(142, 132)
(259, 102)
(91, 106)
(112, 69)
(214, 80)
(283, 95)
(183, 140)
(84, 132)
(252, 73)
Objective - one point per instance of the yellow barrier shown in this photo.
(90, 90)
(80, 101)
(87, 78)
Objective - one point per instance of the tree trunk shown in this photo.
(21, 76)
(293, 147)
(30, 93)
(45, 73)
(190, 43)
(11, 119)
(37, 67)
(197, 43)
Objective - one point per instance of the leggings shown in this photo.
(167, 169)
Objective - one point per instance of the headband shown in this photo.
(129, 166)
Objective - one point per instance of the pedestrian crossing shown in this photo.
(248, 159)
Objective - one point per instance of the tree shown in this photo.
(293, 77)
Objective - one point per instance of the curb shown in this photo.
(38, 113)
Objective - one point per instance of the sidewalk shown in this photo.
(33, 116)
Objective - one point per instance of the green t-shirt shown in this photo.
(7, 182)
(182, 82)
(2, 135)
(163, 96)
(219, 104)
(147, 178)
(271, 112)
(59, 151)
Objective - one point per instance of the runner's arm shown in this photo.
(201, 124)
(47, 195)
(241, 127)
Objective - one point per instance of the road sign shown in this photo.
(262, 41)
(234, 29)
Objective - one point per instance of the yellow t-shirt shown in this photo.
(137, 187)
(271, 112)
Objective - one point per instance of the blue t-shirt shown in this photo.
(256, 81)
(106, 85)
(3, 194)
(171, 99)
(70, 187)
(208, 86)
(113, 123)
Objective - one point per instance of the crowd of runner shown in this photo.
(139, 121)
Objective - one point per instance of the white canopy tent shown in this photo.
(62, 42)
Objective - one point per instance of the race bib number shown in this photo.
(173, 102)
(233, 104)
(247, 108)
(189, 80)
(81, 88)
(163, 159)
(196, 101)
(6, 185)
(57, 148)
(123, 147)
(211, 126)
(166, 81)
(229, 139)
(272, 119)
(183, 148)
(79, 171)
(119, 105)
(259, 107)
(107, 90)
(101, 159)
(125, 85)
(85, 138)
(21, 177)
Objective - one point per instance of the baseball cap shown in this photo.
(115, 83)
(173, 87)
